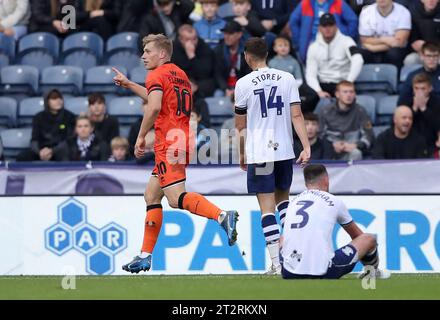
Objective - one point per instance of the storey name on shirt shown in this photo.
(266, 76)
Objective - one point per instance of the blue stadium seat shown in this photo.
(100, 79)
(83, 49)
(127, 109)
(39, 49)
(379, 129)
(406, 70)
(27, 109)
(8, 112)
(385, 109)
(76, 105)
(220, 109)
(369, 104)
(122, 50)
(67, 79)
(7, 50)
(322, 103)
(138, 75)
(19, 79)
(378, 77)
(14, 141)
(124, 131)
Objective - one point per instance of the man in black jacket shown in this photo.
(400, 141)
(196, 58)
(274, 15)
(49, 128)
(166, 18)
(47, 16)
(247, 18)
(425, 26)
(106, 126)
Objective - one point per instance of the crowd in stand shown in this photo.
(323, 43)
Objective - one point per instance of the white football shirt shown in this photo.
(265, 96)
(373, 24)
(310, 219)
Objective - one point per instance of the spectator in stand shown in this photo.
(14, 17)
(196, 58)
(430, 56)
(132, 14)
(209, 27)
(166, 18)
(425, 27)
(199, 103)
(426, 108)
(84, 145)
(230, 64)
(201, 136)
(333, 57)
(247, 18)
(119, 147)
(47, 16)
(106, 127)
(49, 128)
(286, 62)
(321, 149)
(384, 29)
(346, 124)
(304, 21)
(400, 141)
(102, 17)
(274, 14)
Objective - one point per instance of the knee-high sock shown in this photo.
(282, 209)
(153, 224)
(371, 258)
(198, 204)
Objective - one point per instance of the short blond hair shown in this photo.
(160, 41)
(119, 142)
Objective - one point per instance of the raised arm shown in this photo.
(122, 81)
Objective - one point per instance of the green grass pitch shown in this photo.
(218, 287)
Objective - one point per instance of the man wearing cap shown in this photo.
(304, 21)
(331, 58)
(230, 64)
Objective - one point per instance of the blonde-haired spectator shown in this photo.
(119, 147)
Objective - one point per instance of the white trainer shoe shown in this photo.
(274, 271)
(378, 274)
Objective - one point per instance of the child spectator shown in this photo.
(209, 27)
(284, 60)
(119, 147)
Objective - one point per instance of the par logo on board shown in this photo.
(73, 232)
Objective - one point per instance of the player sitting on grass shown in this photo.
(306, 249)
(169, 96)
